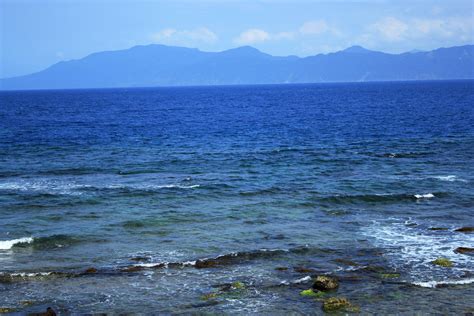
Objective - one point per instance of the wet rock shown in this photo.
(465, 230)
(336, 303)
(205, 263)
(90, 271)
(303, 270)
(325, 283)
(437, 228)
(464, 250)
(132, 269)
(443, 262)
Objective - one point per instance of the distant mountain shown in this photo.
(159, 65)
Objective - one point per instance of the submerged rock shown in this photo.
(443, 262)
(346, 262)
(303, 270)
(281, 268)
(132, 269)
(464, 250)
(140, 259)
(336, 303)
(49, 312)
(90, 271)
(4, 310)
(465, 230)
(437, 228)
(389, 275)
(325, 283)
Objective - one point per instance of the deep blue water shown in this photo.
(340, 179)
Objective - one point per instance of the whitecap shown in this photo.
(8, 244)
(434, 284)
(449, 178)
(424, 196)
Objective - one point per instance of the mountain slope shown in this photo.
(159, 65)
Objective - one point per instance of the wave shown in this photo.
(413, 248)
(48, 187)
(40, 243)
(437, 284)
(381, 198)
(449, 178)
(424, 196)
(8, 244)
(401, 154)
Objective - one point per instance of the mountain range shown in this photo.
(160, 65)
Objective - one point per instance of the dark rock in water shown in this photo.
(303, 270)
(437, 228)
(336, 303)
(49, 312)
(281, 268)
(205, 263)
(140, 259)
(325, 283)
(346, 262)
(90, 271)
(464, 250)
(132, 269)
(465, 230)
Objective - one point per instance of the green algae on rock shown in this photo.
(389, 275)
(443, 262)
(337, 303)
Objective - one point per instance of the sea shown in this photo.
(232, 199)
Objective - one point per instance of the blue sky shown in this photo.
(37, 33)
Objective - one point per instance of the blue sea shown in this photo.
(231, 199)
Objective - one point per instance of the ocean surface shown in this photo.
(230, 199)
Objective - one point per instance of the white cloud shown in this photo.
(310, 28)
(390, 29)
(185, 37)
(252, 36)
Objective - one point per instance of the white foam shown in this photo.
(302, 280)
(52, 186)
(413, 248)
(449, 178)
(434, 284)
(8, 244)
(424, 196)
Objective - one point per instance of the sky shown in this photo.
(35, 34)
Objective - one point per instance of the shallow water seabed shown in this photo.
(173, 194)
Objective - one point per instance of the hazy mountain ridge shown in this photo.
(160, 65)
